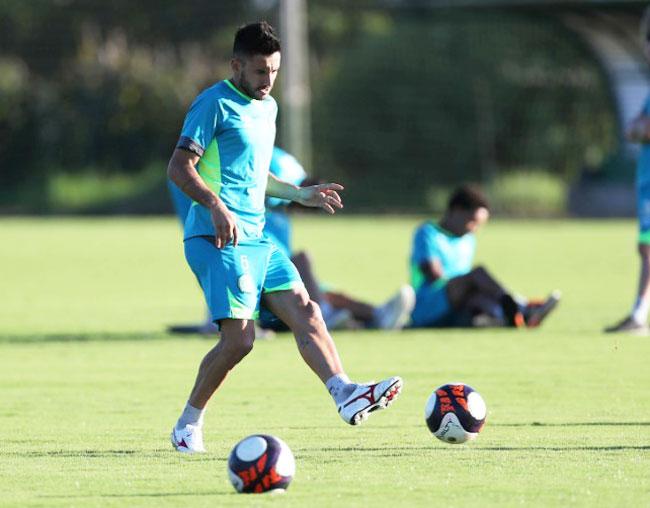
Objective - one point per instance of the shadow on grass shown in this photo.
(573, 424)
(102, 454)
(83, 337)
(417, 450)
(126, 496)
(614, 448)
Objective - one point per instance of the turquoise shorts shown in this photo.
(234, 278)
(432, 307)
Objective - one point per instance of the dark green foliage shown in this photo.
(438, 99)
(404, 102)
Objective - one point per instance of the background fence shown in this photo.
(406, 102)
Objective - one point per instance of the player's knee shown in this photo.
(312, 318)
(644, 251)
(236, 350)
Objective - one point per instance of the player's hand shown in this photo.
(323, 196)
(225, 225)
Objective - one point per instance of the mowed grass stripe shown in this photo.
(87, 405)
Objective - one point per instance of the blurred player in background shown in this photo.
(339, 309)
(639, 132)
(449, 291)
(222, 162)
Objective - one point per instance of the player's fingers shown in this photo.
(334, 201)
(223, 235)
(331, 186)
(335, 195)
(327, 208)
(235, 235)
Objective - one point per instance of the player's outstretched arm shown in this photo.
(182, 171)
(323, 196)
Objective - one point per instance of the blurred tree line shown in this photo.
(405, 103)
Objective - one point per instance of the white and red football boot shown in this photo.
(369, 397)
(189, 439)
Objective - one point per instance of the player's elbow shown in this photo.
(173, 170)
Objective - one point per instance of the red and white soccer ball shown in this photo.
(455, 413)
(261, 463)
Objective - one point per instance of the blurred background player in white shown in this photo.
(639, 132)
(222, 161)
(340, 310)
(449, 291)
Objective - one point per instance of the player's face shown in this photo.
(255, 75)
(475, 219)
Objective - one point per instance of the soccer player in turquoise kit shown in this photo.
(639, 132)
(222, 162)
(449, 291)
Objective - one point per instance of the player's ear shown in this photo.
(236, 65)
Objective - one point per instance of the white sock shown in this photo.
(640, 311)
(190, 416)
(340, 386)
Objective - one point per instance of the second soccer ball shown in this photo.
(455, 413)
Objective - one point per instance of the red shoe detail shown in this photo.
(368, 395)
(519, 320)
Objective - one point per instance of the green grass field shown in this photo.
(91, 384)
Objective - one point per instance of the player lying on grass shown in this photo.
(222, 162)
(449, 291)
(339, 309)
(639, 132)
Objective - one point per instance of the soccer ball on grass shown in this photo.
(455, 413)
(261, 463)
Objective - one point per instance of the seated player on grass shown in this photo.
(339, 309)
(449, 291)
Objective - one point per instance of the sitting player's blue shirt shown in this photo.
(455, 255)
(277, 228)
(643, 186)
(233, 134)
(278, 223)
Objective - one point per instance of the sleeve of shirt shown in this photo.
(200, 125)
(424, 247)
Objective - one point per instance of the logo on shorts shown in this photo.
(245, 283)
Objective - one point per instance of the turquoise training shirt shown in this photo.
(455, 253)
(234, 135)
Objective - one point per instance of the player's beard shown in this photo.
(247, 88)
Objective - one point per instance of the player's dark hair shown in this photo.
(468, 197)
(256, 39)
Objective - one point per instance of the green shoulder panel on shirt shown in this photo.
(210, 167)
(236, 90)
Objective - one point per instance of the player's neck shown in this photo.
(448, 224)
(237, 85)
